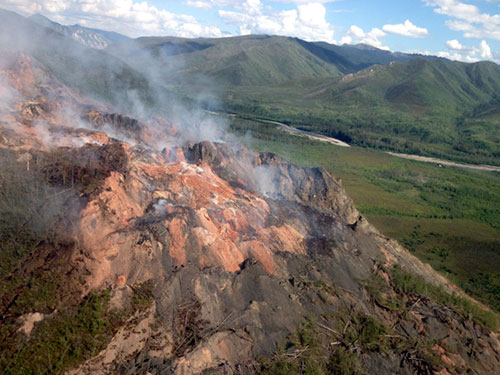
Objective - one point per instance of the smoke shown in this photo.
(135, 80)
(160, 206)
(8, 96)
(95, 74)
(132, 79)
(180, 94)
(51, 137)
(266, 182)
(43, 133)
(195, 126)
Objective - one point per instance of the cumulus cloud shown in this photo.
(125, 16)
(406, 29)
(458, 51)
(307, 21)
(485, 50)
(356, 35)
(473, 23)
(468, 58)
(467, 18)
(457, 9)
(133, 18)
(454, 45)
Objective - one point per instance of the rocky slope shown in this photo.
(255, 264)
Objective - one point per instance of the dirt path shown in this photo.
(313, 136)
(426, 159)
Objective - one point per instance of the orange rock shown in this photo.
(259, 252)
(121, 281)
(176, 229)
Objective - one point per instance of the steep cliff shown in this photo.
(253, 264)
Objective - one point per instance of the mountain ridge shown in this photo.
(99, 75)
(247, 53)
(94, 38)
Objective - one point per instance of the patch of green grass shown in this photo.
(345, 362)
(307, 352)
(340, 346)
(38, 293)
(379, 290)
(142, 295)
(464, 251)
(69, 337)
(365, 331)
(405, 283)
(64, 341)
(413, 284)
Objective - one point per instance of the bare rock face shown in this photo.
(28, 322)
(241, 247)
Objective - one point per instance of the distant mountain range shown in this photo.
(93, 38)
(253, 60)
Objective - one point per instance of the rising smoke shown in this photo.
(141, 91)
(146, 88)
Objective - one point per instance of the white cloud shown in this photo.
(460, 52)
(458, 56)
(473, 23)
(307, 21)
(208, 4)
(356, 35)
(26, 6)
(252, 7)
(454, 45)
(125, 16)
(468, 18)
(456, 9)
(485, 50)
(406, 29)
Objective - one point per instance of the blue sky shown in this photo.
(466, 30)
